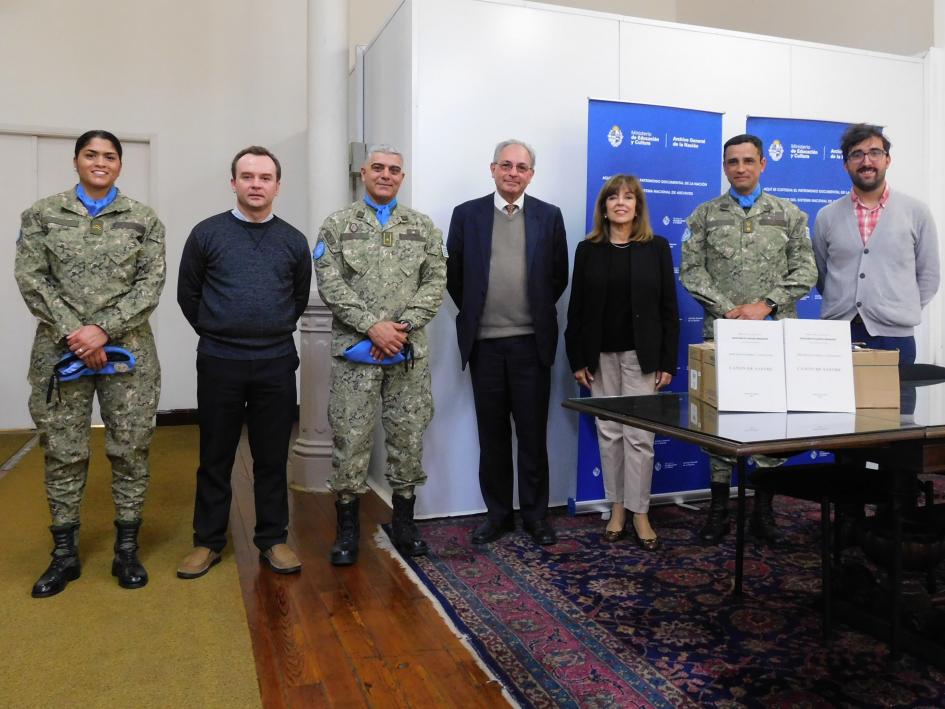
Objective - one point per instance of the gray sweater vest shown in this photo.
(506, 312)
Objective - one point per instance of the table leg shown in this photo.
(825, 562)
(740, 469)
(895, 576)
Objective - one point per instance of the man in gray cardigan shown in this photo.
(876, 250)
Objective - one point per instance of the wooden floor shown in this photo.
(361, 636)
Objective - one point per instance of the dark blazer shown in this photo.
(652, 293)
(469, 244)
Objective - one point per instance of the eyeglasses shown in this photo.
(509, 167)
(872, 153)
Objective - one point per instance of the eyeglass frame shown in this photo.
(872, 154)
(507, 166)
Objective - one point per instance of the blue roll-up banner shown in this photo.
(804, 165)
(676, 155)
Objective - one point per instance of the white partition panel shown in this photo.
(473, 72)
(845, 85)
(388, 89)
(500, 71)
(694, 67)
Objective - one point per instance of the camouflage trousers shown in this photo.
(721, 466)
(128, 402)
(406, 411)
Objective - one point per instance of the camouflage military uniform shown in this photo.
(367, 273)
(731, 257)
(75, 270)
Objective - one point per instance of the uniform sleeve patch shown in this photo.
(319, 250)
(687, 234)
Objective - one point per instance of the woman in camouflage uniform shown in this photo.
(90, 266)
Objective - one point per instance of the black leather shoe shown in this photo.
(762, 526)
(344, 552)
(541, 532)
(126, 566)
(491, 529)
(404, 532)
(717, 524)
(65, 566)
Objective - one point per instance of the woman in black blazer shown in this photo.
(622, 338)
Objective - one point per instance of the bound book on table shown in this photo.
(818, 365)
(749, 361)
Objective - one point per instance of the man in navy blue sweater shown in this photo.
(244, 281)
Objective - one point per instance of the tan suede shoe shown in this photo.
(281, 559)
(197, 563)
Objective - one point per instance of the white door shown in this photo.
(43, 166)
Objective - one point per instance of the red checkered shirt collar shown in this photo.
(868, 217)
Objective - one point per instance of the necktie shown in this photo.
(511, 209)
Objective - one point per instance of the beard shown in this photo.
(869, 181)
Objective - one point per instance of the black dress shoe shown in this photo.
(491, 529)
(541, 532)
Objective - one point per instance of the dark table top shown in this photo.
(921, 415)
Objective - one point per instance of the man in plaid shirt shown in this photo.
(876, 250)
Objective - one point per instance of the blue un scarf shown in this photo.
(94, 206)
(381, 210)
(746, 201)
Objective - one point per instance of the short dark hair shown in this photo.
(745, 138)
(858, 132)
(256, 150)
(90, 135)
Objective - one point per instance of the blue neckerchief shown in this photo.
(746, 201)
(381, 210)
(94, 206)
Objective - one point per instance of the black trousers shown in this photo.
(262, 393)
(509, 379)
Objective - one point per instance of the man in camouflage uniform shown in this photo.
(381, 270)
(92, 280)
(745, 255)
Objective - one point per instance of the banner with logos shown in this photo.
(676, 155)
(804, 165)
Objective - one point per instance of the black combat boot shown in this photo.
(404, 532)
(344, 552)
(125, 566)
(717, 525)
(762, 524)
(65, 566)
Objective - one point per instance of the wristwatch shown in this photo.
(407, 323)
(771, 304)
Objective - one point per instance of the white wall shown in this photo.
(201, 79)
(526, 70)
(863, 24)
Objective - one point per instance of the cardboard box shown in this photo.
(878, 419)
(703, 417)
(702, 378)
(876, 379)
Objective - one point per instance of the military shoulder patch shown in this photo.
(319, 250)
(687, 234)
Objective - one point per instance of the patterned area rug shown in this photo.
(587, 624)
